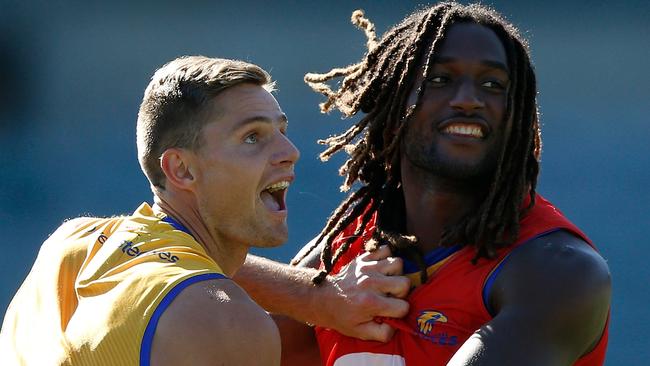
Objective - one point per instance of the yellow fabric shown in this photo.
(415, 277)
(93, 289)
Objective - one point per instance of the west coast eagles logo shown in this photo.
(427, 320)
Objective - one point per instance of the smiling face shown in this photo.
(243, 167)
(457, 128)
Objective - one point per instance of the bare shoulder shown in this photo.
(560, 262)
(561, 282)
(215, 322)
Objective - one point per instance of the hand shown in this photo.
(370, 286)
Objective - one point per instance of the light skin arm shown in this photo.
(215, 323)
(347, 302)
(551, 301)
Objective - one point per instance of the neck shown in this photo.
(185, 211)
(434, 203)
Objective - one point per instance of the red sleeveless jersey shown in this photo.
(448, 308)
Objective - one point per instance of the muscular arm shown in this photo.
(215, 323)
(551, 300)
(347, 302)
(259, 276)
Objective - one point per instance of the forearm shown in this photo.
(349, 301)
(282, 289)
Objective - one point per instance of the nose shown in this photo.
(466, 98)
(286, 153)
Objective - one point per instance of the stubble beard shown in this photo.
(439, 165)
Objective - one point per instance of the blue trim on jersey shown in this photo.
(177, 225)
(431, 258)
(147, 338)
(490, 280)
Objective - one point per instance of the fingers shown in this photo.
(368, 287)
(383, 325)
(391, 266)
(383, 261)
(370, 301)
(373, 331)
(375, 280)
(381, 253)
(380, 308)
(381, 272)
(393, 308)
(396, 286)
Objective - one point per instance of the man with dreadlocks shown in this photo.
(446, 158)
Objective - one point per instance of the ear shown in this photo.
(176, 164)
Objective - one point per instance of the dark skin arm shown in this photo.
(551, 301)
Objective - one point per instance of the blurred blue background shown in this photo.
(72, 76)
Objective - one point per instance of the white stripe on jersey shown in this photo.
(370, 359)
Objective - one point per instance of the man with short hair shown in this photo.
(154, 287)
(445, 158)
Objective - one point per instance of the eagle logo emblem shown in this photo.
(428, 318)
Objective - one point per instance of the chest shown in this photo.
(444, 311)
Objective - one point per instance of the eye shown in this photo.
(437, 80)
(493, 84)
(251, 138)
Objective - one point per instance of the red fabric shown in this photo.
(450, 305)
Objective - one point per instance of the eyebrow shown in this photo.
(264, 119)
(488, 63)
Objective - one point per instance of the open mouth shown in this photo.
(464, 130)
(274, 196)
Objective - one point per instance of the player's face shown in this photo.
(456, 131)
(245, 164)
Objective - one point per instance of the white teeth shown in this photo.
(468, 130)
(277, 186)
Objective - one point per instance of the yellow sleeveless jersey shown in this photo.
(98, 288)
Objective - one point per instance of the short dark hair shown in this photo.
(169, 115)
(379, 86)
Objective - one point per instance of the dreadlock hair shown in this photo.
(379, 87)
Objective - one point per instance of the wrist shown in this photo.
(322, 300)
